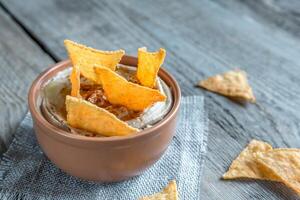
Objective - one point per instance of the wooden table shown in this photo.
(202, 38)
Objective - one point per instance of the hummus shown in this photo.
(55, 91)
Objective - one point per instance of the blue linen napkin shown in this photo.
(25, 172)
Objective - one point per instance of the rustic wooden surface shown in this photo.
(202, 38)
(21, 60)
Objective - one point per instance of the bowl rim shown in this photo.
(42, 78)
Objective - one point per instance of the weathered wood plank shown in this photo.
(202, 38)
(281, 14)
(20, 62)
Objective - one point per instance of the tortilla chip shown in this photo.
(85, 57)
(87, 116)
(148, 66)
(75, 81)
(169, 193)
(284, 164)
(244, 166)
(121, 92)
(232, 84)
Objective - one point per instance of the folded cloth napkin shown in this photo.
(25, 172)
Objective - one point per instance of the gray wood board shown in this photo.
(202, 38)
(21, 60)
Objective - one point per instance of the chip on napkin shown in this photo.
(244, 166)
(148, 66)
(122, 92)
(87, 116)
(168, 193)
(284, 164)
(86, 57)
(233, 84)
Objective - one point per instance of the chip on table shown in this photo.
(260, 161)
(233, 84)
(244, 166)
(284, 164)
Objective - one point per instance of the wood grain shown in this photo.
(202, 38)
(20, 62)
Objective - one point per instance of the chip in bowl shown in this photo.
(87, 116)
(122, 92)
(98, 96)
(75, 81)
(87, 57)
(148, 66)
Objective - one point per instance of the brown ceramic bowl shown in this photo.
(106, 159)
